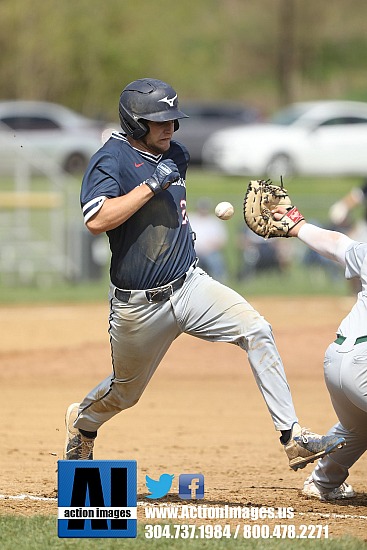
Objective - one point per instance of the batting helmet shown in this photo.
(147, 99)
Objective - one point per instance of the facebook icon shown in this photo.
(191, 486)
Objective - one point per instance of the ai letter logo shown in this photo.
(191, 486)
(97, 498)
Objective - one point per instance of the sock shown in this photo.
(286, 435)
(90, 435)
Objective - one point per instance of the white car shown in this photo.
(309, 138)
(207, 117)
(46, 134)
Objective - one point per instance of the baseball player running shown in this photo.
(345, 365)
(135, 190)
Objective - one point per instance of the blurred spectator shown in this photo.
(340, 216)
(340, 211)
(211, 238)
(258, 254)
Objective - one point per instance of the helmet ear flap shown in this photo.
(140, 132)
(137, 129)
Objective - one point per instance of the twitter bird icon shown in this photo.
(159, 488)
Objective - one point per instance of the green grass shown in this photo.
(40, 532)
(313, 196)
(60, 291)
(298, 280)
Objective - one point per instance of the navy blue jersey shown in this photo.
(154, 246)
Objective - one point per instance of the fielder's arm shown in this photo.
(330, 244)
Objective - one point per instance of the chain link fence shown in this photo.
(42, 236)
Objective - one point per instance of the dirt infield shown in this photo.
(202, 411)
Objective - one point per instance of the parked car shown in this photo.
(42, 132)
(309, 138)
(207, 117)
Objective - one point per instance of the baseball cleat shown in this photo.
(77, 446)
(305, 446)
(310, 489)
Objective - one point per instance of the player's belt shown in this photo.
(159, 294)
(340, 339)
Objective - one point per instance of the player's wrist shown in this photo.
(295, 230)
(153, 185)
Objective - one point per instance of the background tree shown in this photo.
(265, 53)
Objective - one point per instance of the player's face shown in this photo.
(158, 139)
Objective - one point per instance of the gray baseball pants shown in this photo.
(141, 333)
(345, 369)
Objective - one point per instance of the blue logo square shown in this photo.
(97, 498)
(191, 486)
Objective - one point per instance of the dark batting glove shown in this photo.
(165, 174)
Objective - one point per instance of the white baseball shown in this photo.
(224, 210)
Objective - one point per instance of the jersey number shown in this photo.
(185, 219)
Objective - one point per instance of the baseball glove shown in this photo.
(260, 199)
